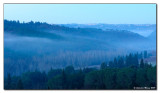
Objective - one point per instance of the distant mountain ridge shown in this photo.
(36, 45)
(113, 38)
(142, 29)
(114, 26)
(38, 29)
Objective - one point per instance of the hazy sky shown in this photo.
(82, 13)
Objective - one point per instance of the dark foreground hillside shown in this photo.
(115, 75)
(88, 78)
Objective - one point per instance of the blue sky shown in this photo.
(82, 13)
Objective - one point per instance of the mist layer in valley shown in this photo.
(35, 45)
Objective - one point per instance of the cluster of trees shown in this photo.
(126, 76)
(40, 29)
(129, 60)
(70, 78)
(16, 25)
(31, 29)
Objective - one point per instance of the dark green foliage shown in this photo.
(54, 72)
(87, 70)
(115, 63)
(135, 60)
(151, 74)
(120, 63)
(141, 64)
(72, 80)
(117, 75)
(103, 65)
(111, 64)
(111, 76)
(94, 80)
(64, 80)
(76, 80)
(108, 78)
(8, 82)
(130, 60)
(19, 84)
(55, 83)
(122, 78)
(34, 80)
(69, 69)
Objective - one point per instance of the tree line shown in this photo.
(121, 73)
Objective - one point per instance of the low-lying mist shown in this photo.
(80, 47)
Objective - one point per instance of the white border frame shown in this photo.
(73, 1)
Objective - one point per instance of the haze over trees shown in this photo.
(130, 76)
(49, 56)
(33, 45)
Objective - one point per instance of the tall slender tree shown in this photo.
(9, 81)
(64, 79)
(19, 84)
(141, 64)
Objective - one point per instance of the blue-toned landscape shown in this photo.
(41, 55)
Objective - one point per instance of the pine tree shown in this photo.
(19, 84)
(133, 79)
(135, 59)
(120, 62)
(141, 64)
(64, 79)
(129, 60)
(145, 54)
(115, 63)
(103, 65)
(111, 64)
(8, 81)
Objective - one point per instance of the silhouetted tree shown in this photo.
(64, 79)
(19, 84)
(120, 62)
(111, 64)
(8, 86)
(145, 54)
(103, 65)
(141, 64)
(135, 60)
(115, 63)
(69, 69)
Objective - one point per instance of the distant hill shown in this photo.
(142, 29)
(36, 45)
(153, 35)
(30, 29)
(37, 29)
(114, 26)
(111, 37)
(153, 39)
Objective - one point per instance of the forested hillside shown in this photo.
(142, 29)
(36, 45)
(120, 73)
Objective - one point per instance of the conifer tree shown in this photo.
(19, 84)
(141, 64)
(8, 81)
(103, 65)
